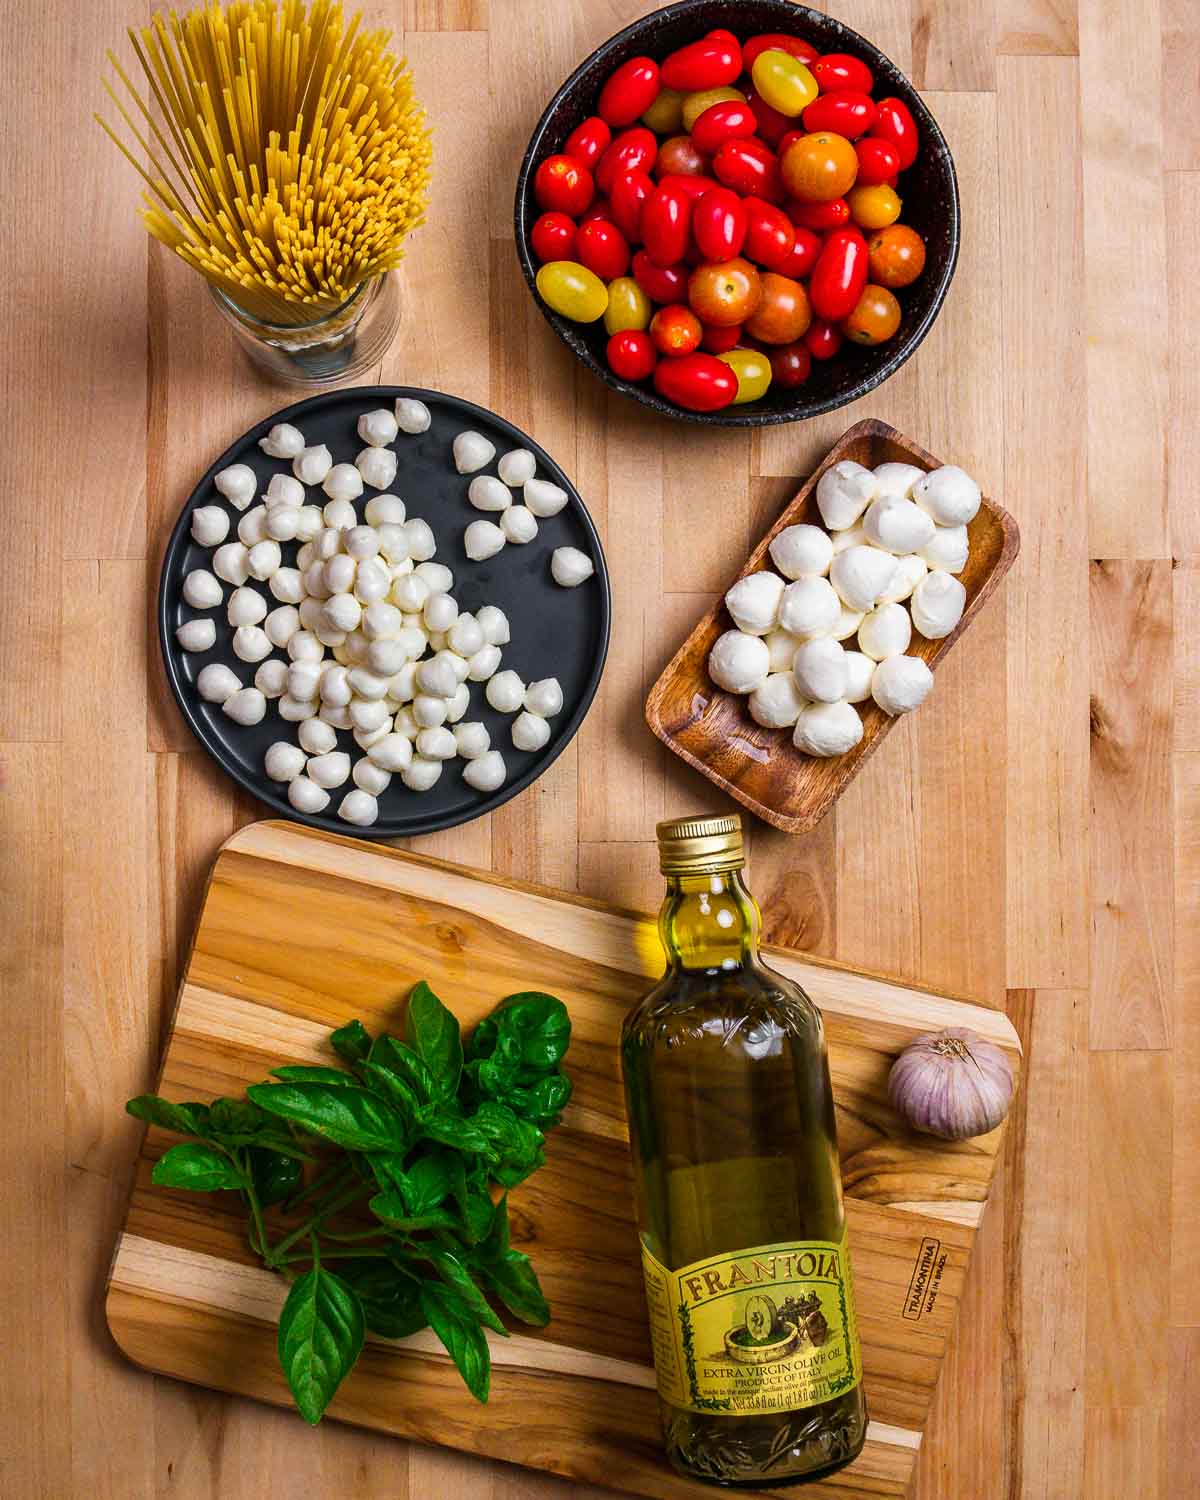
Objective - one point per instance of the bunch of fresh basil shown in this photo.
(401, 1205)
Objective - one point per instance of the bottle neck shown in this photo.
(709, 922)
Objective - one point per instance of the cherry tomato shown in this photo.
(731, 119)
(553, 237)
(694, 105)
(770, 237)
(783, 313)
(878, 159)
(660, 283)
(694, 187)
(896, 255)
(749, 167)
(772, 126)
(706, 64)
(717, 339)
(894, 122)
(678, 157)
(804, 254)
(776, 41)
(629, 92)
(665, 223)
(848, 113)
(818, 216)
(665, 115)
(753, 371)
(823, 340)
(721, 34)
(675, 330)
(572, 290)
(875, 318)
(632, 151)
(588, 142)
(602, 248)
(819, 167)
(874, 207)
(791, 365)
(599, 209)
(838, 70)
(630, 354)
(783, 81)
(629, 192)
(839, 275)
(697, 382)
(719, 224)
(726, 292)
(563, 184)
(628, 306)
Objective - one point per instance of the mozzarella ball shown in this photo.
(369, 777)
(284, 762)
(483, 539)
(303, 680)
(373, 581)
(485, 772)
(378, 428)
(309, 522)
(296, 710)
(897, 525)
(330, 770)
(937, 604)
(948, 549)
(304, 646)
(519, 525)
(809, 607)
(543, 498)
(230, 563)
(271, 677)
(338, 574)
(846, 624)
(860, 575)
(342, 612)
(344, 482)
(897, 479)
(826, 729)
(376, 467)
(406, 724)
(437, 575)
(569, 567)
(334, 714)
(820, 670)
(287, 585)
(909, 572)
(283, 441)
(358, 807)
(517, 467)
(458, 703)
(367, 685)
(753, 602)
(393, 542)
(738, 662)
(776, 702)
(802, 552)
(544, 697)
(311, 466)
(197, 635)
(306, 796)
(335, 687)
(340, 515)
(283, 524)
(421, 774)
(530, 731)
(472, 451)
(436, 744)
(327, 543)
(505, 692)
(885, 631)
(216, 682)
(844, 492)
(494, 624)
(250, 643)
(284, 492)
(246, 706)
(854, 537)
(421, 542)
(457, 664)
(410, 593)
(385, 510)
(860, 669)
(949, 494)
(381, 622)
(246, 607)
(263, 560)
(201, 589)
(486, 493)
(412, 416)
(900, 684)
(238, 484)
(483, 664)
(210, 525)
(473, 740)
(465, 636)
(429, 711)
(317, 737)
(440, 612)
(391, 753)
(361, 542)
(403, 684)
(437, 677)
(781, 644)
(253, 526)
(314, 583)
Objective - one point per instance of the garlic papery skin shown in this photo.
(951, 1084)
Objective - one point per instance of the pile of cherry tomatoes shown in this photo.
(732, 215)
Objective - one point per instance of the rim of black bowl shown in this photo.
(418, 824)
(751, 415)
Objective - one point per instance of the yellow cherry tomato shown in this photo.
(694, 105)
(874, 207)
(665, 115)
(753, 371)
(783, 81)
(628, 306)
(573, 290)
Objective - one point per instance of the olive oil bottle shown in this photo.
(738, 1189)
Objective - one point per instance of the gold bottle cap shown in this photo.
(700, 846)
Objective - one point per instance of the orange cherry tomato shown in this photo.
(783, 313)
(875, 319)
(725, 293)
(819, 167)
(874, 207)
(675, 330)
(896, 255)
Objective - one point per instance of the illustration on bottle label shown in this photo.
(764, 1330)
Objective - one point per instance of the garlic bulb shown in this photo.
(951, 1083)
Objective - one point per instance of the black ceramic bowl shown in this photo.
(929, 190)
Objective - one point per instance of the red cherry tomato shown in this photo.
(877, 160)
(629, 192)
(776, 41)
(697, 382)
(665, 223)
(770, 237)
(588, 142)
(726, 121)
(599, 209)
(845, 113)
(719, 225)
(772, 126)
(838, 70)
(630, 91)
(602, 248)
(563, 184)
(839, 275)
(786, 139)
(720, 340)
(631, 354)
(694, 187)
(894, 122)
(720, 34)
(631, 151)
(804, 254)
(749, 167)
(553, 237)
(790, 364)
(675, 330)
(823, 340)
(678, 157)
(660, 283)
(831, 214)
(707, 64)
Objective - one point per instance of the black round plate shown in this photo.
(556, 632)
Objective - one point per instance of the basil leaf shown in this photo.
(183, 1119)
(516, 1285)
(321, 1331)
(544, 1101)
(276, 1177)
(389, 1086)
(388, 1053)
(390, 1209)
(433, 1033)
(478, 1214)
(496, 1245)
(387, 1167)
(200, 1169)
(462, 1336)
(453, 1130)
(301, 1073)
(390, 1297)
(432, 1179)
(516, 1143)
(238, 1117)
(352, 1041)
(542, 1024)
(456, 1276)
(350, 1117)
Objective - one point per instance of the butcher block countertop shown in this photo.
(1030, 839)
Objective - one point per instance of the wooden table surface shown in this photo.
(1031, 837)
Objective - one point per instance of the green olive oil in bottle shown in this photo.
(738, 1189)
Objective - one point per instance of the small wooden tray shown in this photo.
(713, 731)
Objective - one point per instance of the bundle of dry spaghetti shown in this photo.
(286, 156)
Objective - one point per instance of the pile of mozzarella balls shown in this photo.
(372, 639)
(894, 539)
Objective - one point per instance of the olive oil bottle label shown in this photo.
(769, 1329)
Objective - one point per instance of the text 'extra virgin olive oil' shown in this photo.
(738, 1189)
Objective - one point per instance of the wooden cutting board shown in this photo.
(302, 931)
